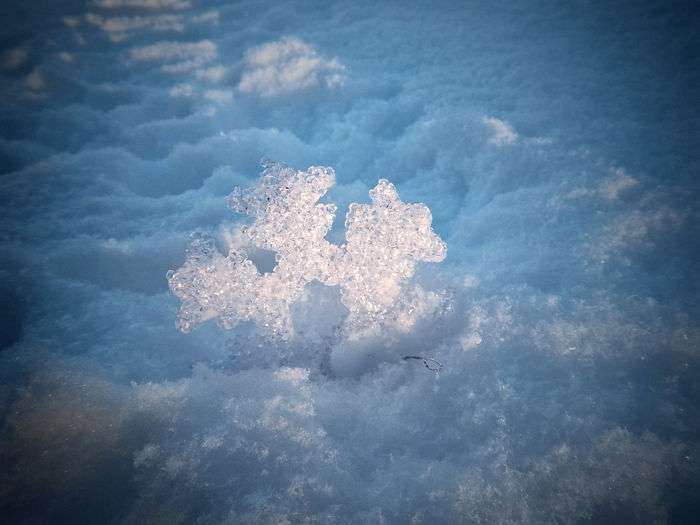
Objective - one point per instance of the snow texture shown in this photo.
(553, 148)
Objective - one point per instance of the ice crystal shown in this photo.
(384, 240)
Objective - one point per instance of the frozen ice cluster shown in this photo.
(384, 240)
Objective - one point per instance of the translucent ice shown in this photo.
(384, 241)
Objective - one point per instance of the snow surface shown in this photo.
(553, 149)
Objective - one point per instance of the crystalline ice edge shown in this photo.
(384, 240)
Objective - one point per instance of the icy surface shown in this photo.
(384, 242)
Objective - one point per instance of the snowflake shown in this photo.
(384, 240)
